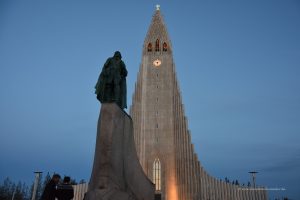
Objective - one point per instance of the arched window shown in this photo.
(165, 47)
(157, 174)
(157, 45)
(149, 47)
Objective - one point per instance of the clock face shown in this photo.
(156, 62)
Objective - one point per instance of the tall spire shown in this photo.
(162, 138)
(157, 29)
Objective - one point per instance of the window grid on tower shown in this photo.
(157, 174)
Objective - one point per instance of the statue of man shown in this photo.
(111, 85)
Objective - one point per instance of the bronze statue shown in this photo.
(111, 85)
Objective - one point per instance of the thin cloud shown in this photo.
(292, 164)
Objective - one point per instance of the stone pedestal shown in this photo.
(117, 173)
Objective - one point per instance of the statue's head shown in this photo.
(118, 54)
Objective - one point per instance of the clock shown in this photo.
(157, 63)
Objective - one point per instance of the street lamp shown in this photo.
(36, 182)
(253, 174)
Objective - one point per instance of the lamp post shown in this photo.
(36, 182)
(253, 174)
(14, 193)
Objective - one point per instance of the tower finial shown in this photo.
(157, 7)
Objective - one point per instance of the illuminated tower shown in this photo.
(153, 109)
(162, 138)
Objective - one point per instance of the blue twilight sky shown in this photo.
(237, 64)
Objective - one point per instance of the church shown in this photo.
(161, 135)
(162, 138)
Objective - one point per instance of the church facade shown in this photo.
(162, 138)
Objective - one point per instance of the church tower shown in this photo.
(161, 134)
(153, 109)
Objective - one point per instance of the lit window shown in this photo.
(165, 47)
(157, 174)
(149, 47)
(157, 45)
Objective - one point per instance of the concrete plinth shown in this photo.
(117, 173)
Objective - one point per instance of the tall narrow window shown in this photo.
(165, 47)
(157, 45)
(157, 174)
(149, 47)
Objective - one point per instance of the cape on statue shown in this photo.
(111, 85)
